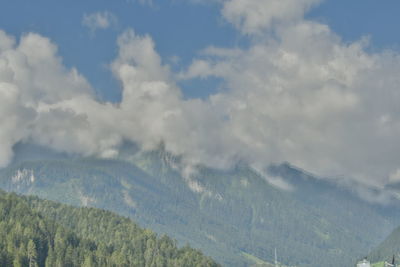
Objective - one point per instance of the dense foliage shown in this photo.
(37, 233)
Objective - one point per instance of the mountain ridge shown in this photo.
(225, 213)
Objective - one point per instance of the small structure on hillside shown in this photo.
(364, 263)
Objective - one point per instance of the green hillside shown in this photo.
(389, 247)
(227, 214)
(35, 232)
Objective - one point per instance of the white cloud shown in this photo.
(395, 176)
(253, 16)
(14, 120)
(146, 2)
(66, 116)
(99, 20)
(31, 77)
(257, 16)
(310, 99)
(303, 96)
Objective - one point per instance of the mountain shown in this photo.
(389, 247)
(236, 216)
(37, 232)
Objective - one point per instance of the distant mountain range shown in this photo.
(235, 216)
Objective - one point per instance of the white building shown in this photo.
(364, 263)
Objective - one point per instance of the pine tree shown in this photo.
(50, 260)
(32, 254)
(17, 262)
(88, 261)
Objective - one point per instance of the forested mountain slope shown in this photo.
(35, 232)
(234, 215)
(389, 247)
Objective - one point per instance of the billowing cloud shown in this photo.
(64, 113)
(308, 98)
(303, 96)
(31, 76)
(99, 20)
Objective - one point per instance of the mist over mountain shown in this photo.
(232, 215)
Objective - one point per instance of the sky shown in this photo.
(310, 82)
(169, 22)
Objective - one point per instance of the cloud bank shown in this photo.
(303, 96)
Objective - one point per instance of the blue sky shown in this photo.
(179, 29)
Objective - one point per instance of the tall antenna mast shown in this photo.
(276, 259)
